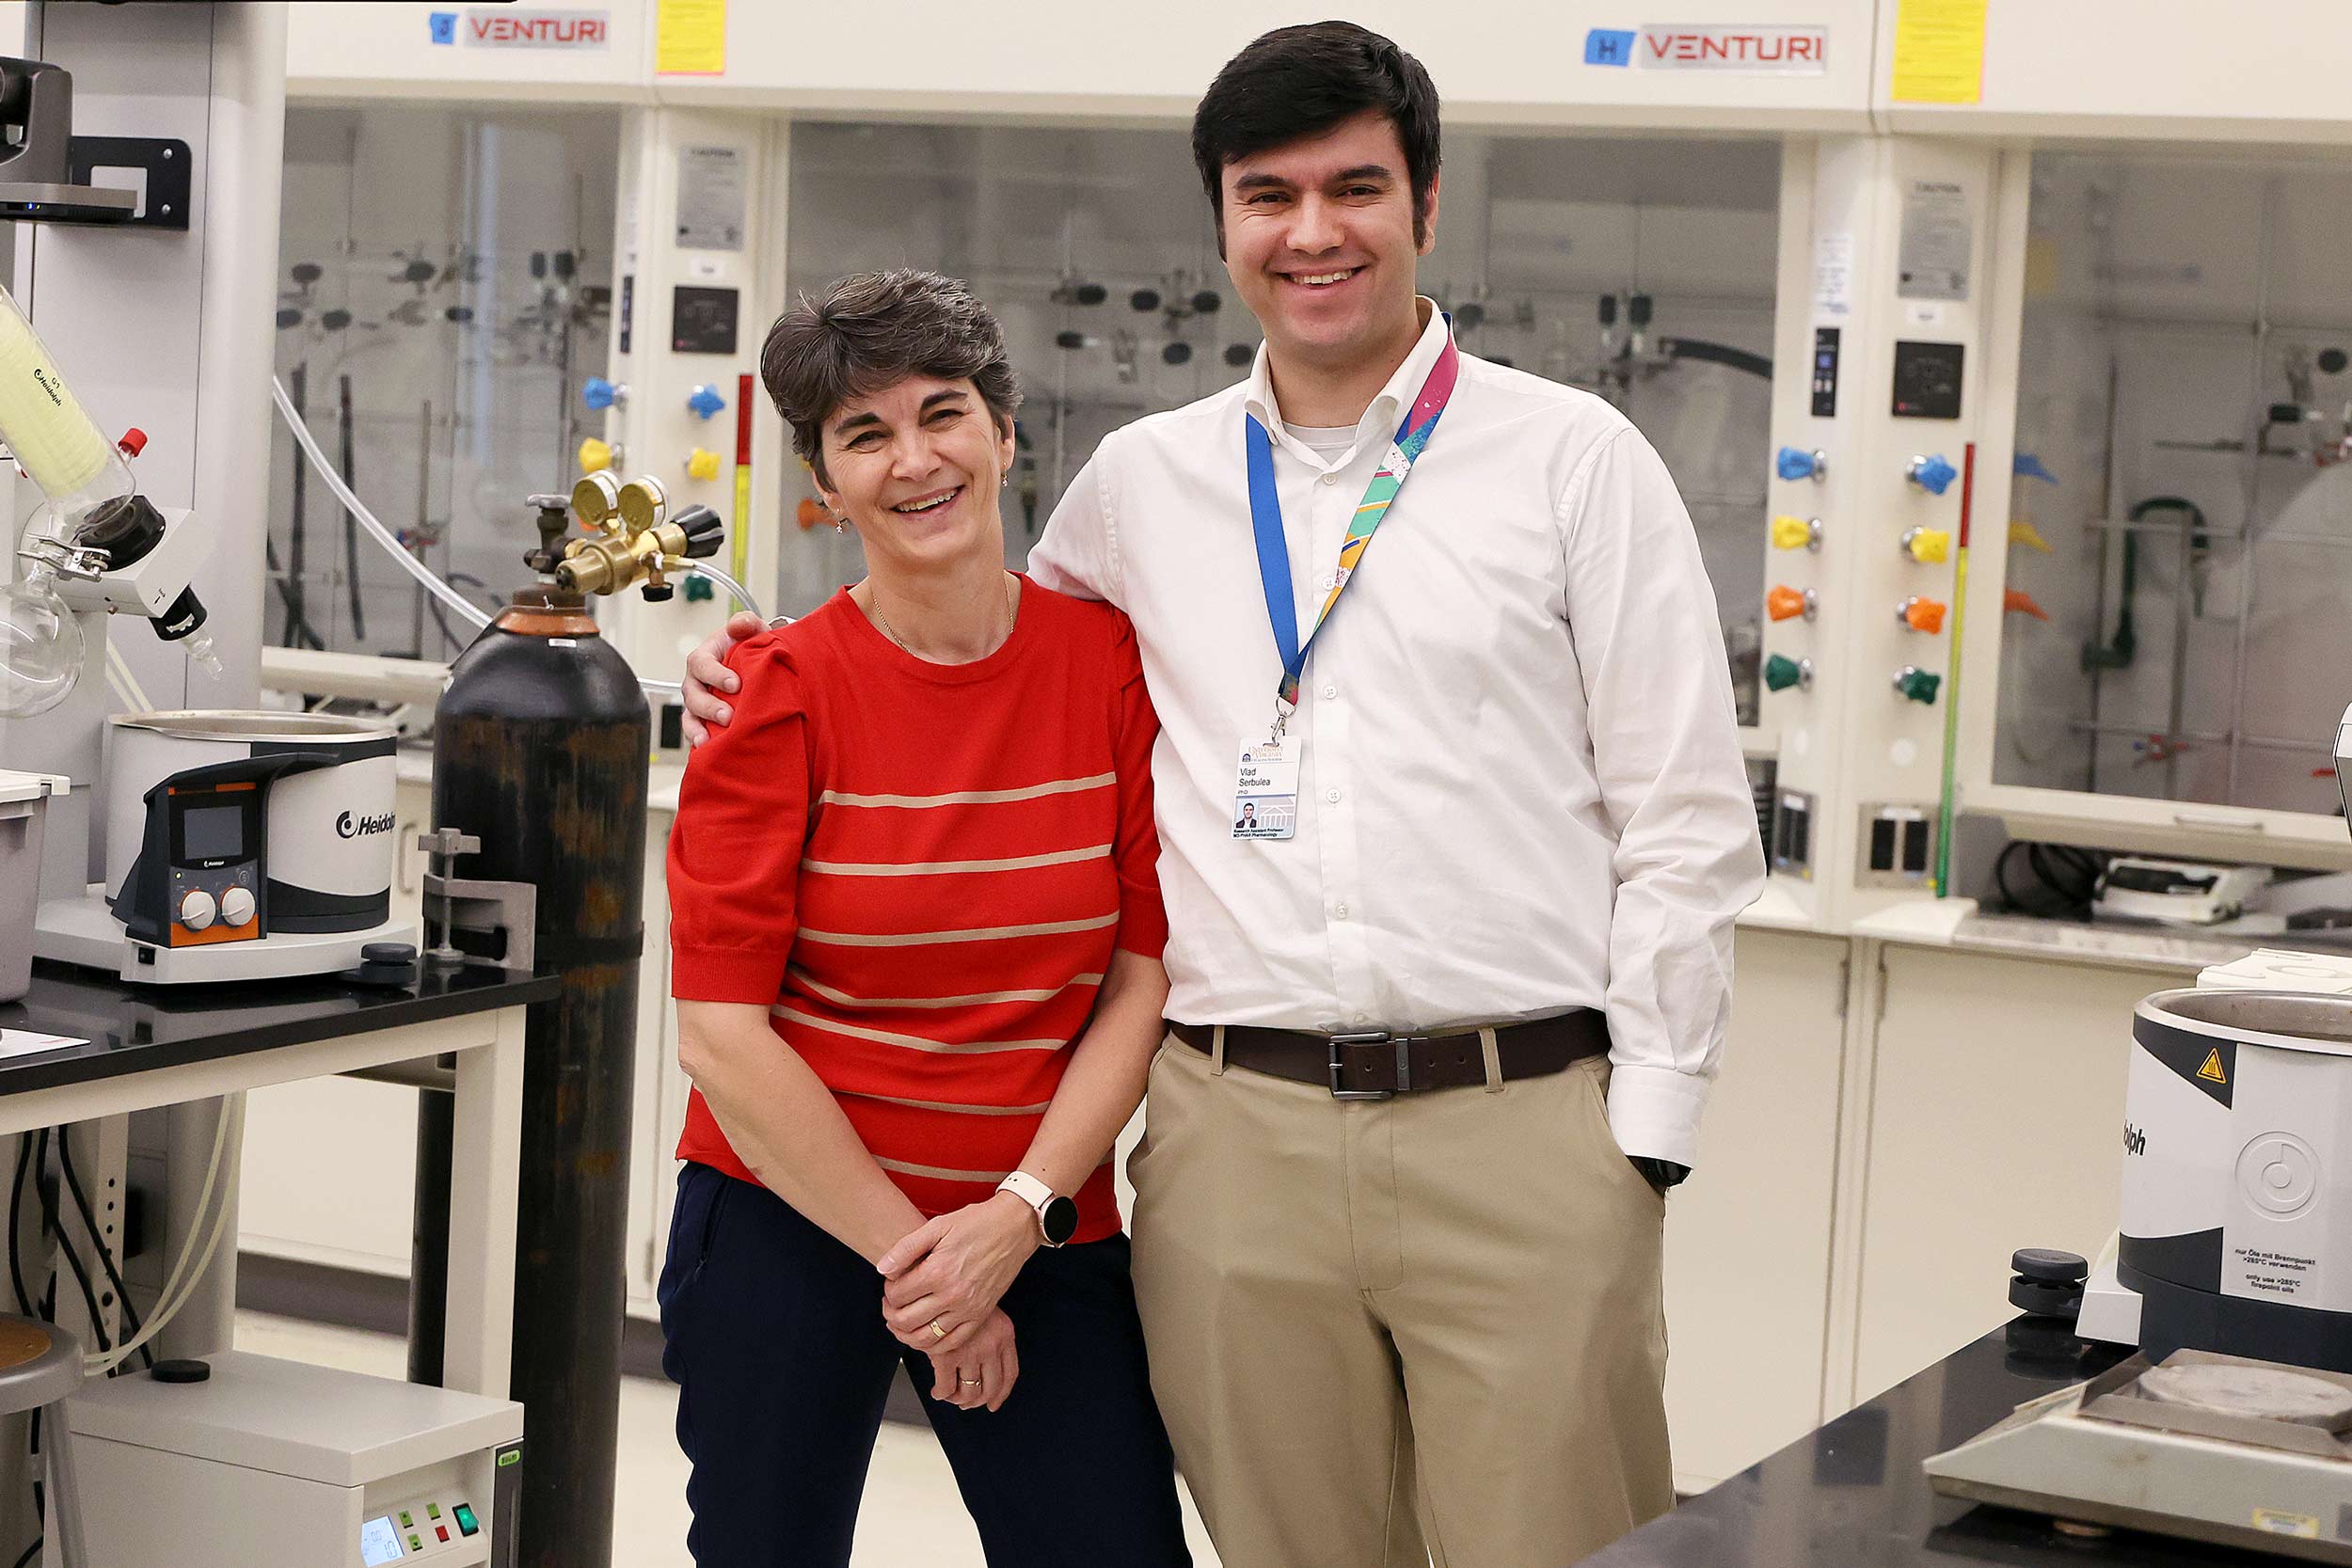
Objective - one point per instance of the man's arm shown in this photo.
(1666, 753)
(1077, 555)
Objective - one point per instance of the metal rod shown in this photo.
(2207, 737)
(2106, 509)
(425, 530)
(2183, 601)
(2249, 468)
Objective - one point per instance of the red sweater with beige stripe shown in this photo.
(921, 871)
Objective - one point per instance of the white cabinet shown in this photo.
(1748, 1236)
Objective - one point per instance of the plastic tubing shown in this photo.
(472, 614)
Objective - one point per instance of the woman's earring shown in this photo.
(840, 527)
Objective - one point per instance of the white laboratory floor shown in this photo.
(911, 1514)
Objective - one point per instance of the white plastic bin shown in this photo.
(24, 806)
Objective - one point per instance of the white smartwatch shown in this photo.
(1057, 1216)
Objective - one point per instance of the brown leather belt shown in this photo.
(1374, 1065)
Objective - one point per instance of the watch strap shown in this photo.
(1036, 1195)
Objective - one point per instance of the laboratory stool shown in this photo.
(41, 1367)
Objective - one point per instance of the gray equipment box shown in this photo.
(24, 808)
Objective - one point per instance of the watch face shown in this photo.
(1061, 1219)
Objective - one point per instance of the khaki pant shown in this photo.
(1432, 1324)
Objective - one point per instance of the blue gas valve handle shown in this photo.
(1932, 474)
(1795, 464)
(596, 392)
(706, 401)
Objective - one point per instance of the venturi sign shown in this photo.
(1763, 49)
(486, 27)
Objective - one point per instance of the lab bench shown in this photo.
(1851, 1494)
(149, 1048)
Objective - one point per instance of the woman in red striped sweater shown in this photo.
(916, 944)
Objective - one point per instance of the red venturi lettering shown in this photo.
(1733, 48)
(538, 29)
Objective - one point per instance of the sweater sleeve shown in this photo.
(735, 847)
(1134, 727)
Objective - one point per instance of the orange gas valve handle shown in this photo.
(1923, 615)
(1785, 604)
(2016, 601)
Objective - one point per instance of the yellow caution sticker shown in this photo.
(2274, 1521)
(2211, 1072)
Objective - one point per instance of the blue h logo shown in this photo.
(1607, 46)
(444, 25)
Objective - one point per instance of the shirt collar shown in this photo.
(1387, 406)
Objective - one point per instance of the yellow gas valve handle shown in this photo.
(703, 463)
(596, 456)
(1796, 533)
(1928, 547)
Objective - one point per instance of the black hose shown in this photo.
(1716, 354)
(298, 630)
(297, 540)
(351, 523)
(89, 1226)
(16, 1204)
(33, 1550)
(2065, 879)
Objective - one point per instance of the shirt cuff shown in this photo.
(748, 975)
(1654, 1110)
(1143, 930)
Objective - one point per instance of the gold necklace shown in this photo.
(883, 621)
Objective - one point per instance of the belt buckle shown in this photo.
(1377, 1036)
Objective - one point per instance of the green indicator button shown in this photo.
(466, 1523)
(433, 1511)
(405, 1522)
(512, 1456)
(415, 1544)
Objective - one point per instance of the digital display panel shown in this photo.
(378, 1542)
(213, 834)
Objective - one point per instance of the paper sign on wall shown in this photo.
(1938, 238)
(1939, 52)
(690, 38)
(1833, 274)
(711, 184)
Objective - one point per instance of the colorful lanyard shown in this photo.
(1265, 516)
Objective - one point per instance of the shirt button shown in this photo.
(1330, 479)
(1364, 1018)
(1330, 691)
(1339, 911)
(1332, 796)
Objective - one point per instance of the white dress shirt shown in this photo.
(1521, 787)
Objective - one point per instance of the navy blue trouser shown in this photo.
(775, 1339)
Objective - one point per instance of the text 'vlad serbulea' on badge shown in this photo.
(1265, 791)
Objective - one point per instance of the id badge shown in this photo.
(1265, 790)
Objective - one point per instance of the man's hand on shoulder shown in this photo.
(708, 681)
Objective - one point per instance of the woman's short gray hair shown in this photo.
(871, 331)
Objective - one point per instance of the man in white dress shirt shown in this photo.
(1438, 1049)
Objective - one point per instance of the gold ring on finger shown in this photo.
(969, 1382)
(939, 1330)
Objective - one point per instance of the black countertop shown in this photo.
(1853, 1494)
(138, 1028)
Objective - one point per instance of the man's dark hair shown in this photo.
(1302, 81)
(871, 331)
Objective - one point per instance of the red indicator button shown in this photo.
(443, 1530)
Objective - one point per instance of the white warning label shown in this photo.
(2272, 1274)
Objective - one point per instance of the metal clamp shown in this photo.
(1338, 1077)
(506, 911)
